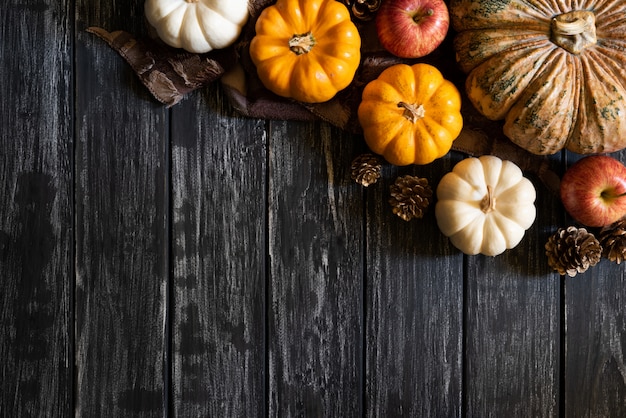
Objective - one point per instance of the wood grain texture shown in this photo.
(121, 229)
(414, 308)
(219, 206)
(36, 211)
(190, 262)
(595, 370)
(513, 325)
(315, 273)
(595, 339)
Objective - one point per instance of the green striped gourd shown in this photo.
(555, 71)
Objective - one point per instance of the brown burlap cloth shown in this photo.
(171, 74)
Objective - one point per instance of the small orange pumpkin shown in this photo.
(410, 114)
(306, 50)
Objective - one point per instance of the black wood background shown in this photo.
(189, 262)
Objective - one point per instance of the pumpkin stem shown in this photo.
(574, 31)
(488, 203)
(301, 44)
(192, 1)
(412, 112)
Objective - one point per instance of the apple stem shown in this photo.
(419, 16)
(301, 44)
(606, 195)
(412, 112)
(488, 203)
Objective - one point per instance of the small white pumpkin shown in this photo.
(197, 25)
(485, 205)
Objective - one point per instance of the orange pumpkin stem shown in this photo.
(412, 112)
(301, 44)
(488, 203)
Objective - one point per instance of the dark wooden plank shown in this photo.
(595, 343)
(121, 225)
(513, 310)
(316, 243)
(414, 308)
(595, 338)
(219, 247)
(36, 139)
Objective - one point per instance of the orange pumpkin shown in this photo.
(306, 50)
(410, 114)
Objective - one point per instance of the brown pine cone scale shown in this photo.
(362, 9)
(410, 197)
(365, 169)
(613, 241)
(572, 250)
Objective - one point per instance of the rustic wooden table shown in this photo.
(190, 262)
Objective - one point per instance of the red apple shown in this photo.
(412, 28)
(593, 190)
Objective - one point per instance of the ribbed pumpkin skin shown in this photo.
(485, 205)
(197, 26)
(317, 71)
(389, 131)
(549, 97)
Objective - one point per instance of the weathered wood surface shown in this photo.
(190, 262)
(219, 218)
(36, 209)
(121, 206)
(315, 275)
(414, 309)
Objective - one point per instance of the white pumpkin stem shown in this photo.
(301, 44)
(412, 112)
(192, 1)
(488, 203)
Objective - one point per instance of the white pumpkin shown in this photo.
(197, 25)
(485, 205)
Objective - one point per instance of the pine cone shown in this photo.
(613, 241)
(410, 197)
(572, 250)
(363, 9)
(366, 169)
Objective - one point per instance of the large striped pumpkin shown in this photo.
(555, 71)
